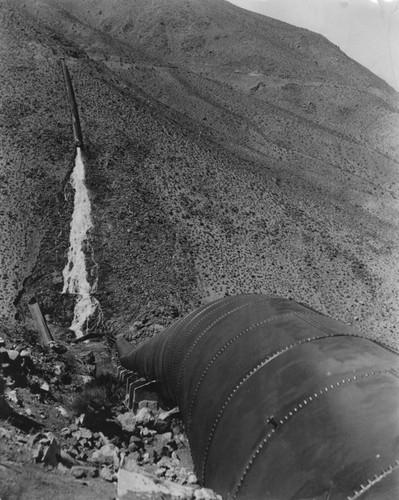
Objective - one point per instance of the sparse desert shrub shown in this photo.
(11, 489)
(97, 396)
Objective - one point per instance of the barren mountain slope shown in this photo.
(265, 89)
(227, 153)
(216, 39)
(35, 146)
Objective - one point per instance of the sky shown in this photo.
(366, 30)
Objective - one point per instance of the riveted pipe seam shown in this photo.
(221, 351)
(297, 407)
(177, 344)
(175, 338)
(244, 379)
(374, 480)
(311, 318)
(204, 332)
(260, 461)
(348, 342)
(173, 334)
(329, 333)
(303, 404)
(204, 313)
(320, 328)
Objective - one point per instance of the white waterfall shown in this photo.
(75, 273)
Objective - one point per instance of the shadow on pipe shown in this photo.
(279, 402)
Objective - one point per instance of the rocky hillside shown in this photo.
(227, 152)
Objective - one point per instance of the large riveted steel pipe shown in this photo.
(279, 402)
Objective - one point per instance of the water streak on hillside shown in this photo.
(75, 273)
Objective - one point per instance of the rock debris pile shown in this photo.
(62, 411)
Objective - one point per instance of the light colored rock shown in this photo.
(63, 411)
(166, 414)
(57, 370)
(86, 433)
(158, 328)
(11, 395)
(165, 438)
(160, 471)
(45, 387)
(5, 433)
(192, 479)
(107, 454)
(107, 474)
(12, 354)
(144, 416)
(167, 462)
(62, 468)
(206, 494)
(127, 421)
(37, 453)
(80, 472)
(131, 480)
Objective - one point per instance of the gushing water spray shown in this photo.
(76, 279)
(75, 274)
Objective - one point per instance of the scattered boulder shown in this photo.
(107, 474)
(59, 369)
(5, 433)
(107, 454)
(144, 416)
(192, 479)
(128, 421)
(206, 494)
(45, 387)
(132, 480)
(12, 354)
(12, 396)
(158, 328)
(82, 472)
